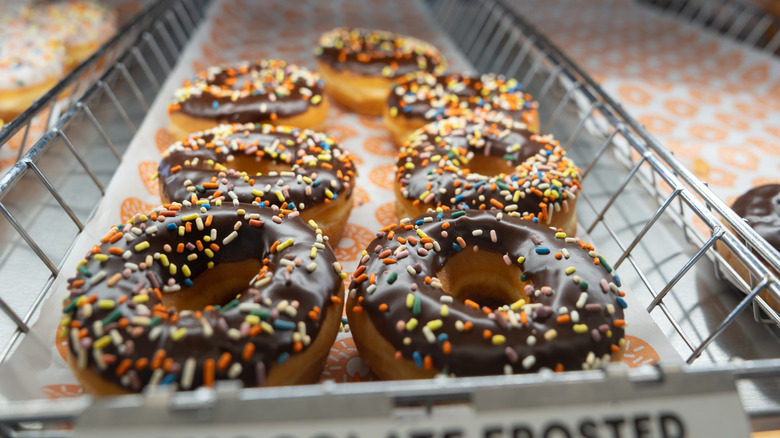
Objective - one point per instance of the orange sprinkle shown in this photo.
(167, 364)
(224, 361)
(180, 248)
(255, 330)
(116, 237)
(487, 334)
(383, 307)
(335, 300)
(297, 346)
(614, 348)
(619, 323)
(357, 309)
(563, 319)
(468, 325)
(428, 363)
(496, 203)
(471, 304)
(208, 372)
(523, 318)
(175, 169)
(558, 367)
(444, 225)
(114, 250)
(141, 363)
(209, 218)
(249, 350)
(123, 366)
(159, 355)
(446, 347)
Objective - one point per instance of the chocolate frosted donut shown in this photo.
(416, 100)
(478, 293)
(190, 294)
(760, 207)
(359, 65)
(487, 161)
(292, 168)
(266, 91)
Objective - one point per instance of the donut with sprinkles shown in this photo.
(487, 161)
(293, 168)
(418, 99)
(266, 91)
(474, 292)
(190, 294)
(359, 65)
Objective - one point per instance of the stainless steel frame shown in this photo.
(646, 211)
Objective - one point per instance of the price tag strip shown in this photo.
(667, 402)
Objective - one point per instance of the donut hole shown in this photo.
(483, 278)
(214, 287)
(252, 165)
(489, 165)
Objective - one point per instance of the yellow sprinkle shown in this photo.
(434, 324)
(409, 165)
(560, 235)
(182, 230)
(424, 195)
(328, 193)
(100, 257)
(266, 327)
(141, 298)
(445, 311)
(189, 217)
(517, 304)
(313, 224)
(313, 253)
(570, 270)
(257, 193)
(186, 270)
(422, 234)
(284, 244)
(411, 324)
(580, 328)
(172, 269)
(102, 343)
(106, 304)
(279, 195)
(316, 99)
(252, 319)
(520, 259)
(516, 196)
(393, 111)
(164, 260)
(550, 334)
(498, 339)
(210, 265)
(307, 180)
(141, 246)
(209, 253)
(178, 334)
(409, 300)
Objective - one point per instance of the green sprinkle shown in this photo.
(155, 321)
(69, 308)
(391, 279)
(228, 306)
(458, 214)
(604, 263)
(113, 316)
(262, 313)
(417, 306)
(84, 271)
(584, 284)
(523, 277)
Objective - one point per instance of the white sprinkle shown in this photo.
(188, 373)
(155, 333)
(531, 341)
(234, 334)
(235, 370)
(230, 237)
(582, 300)
(529, 361)
(157, 375)
(429, 336)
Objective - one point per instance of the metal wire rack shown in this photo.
(740, 20)
(646, 211)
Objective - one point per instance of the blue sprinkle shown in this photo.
(320, 83)
(344, 320)
(171, 227)
(418, 359)
(479, 184)
(283, 357)
(335, 196)
(443, 337)
(439, 216)
(284, 325)
(261, 204)
(215, 104)
(456, 247)
(408, 109)
(622, 302)
(206, 206)
(168, 379)
(316, 182)
(188, 282)
(542, 250)
(459, 198)
(536, 220)
(419, 222)
(617, 280)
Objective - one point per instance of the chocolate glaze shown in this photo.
(598, 316)
(261, 92)
(319, 168)
(133, 301)
(432, 97)
(433, 167)
(371, 53)
(760, 207)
